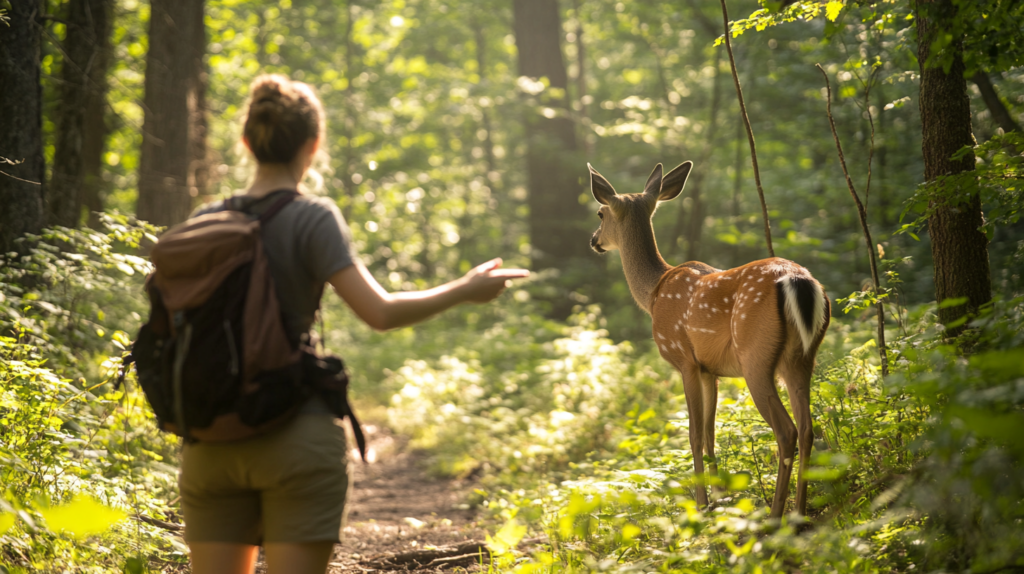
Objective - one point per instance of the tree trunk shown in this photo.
(559, 231)
(199, 169)
(959, 247)
(21, 126)
(165, 193)
(1000, 114)
(80, 128)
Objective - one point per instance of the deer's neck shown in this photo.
(642, 264)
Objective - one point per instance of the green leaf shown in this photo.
(833, 9)
(134, 565)
(6, 522)
(82, 517)
(507, 538)
(630, 531)
(953, 302)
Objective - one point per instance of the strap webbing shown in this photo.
(271, 211)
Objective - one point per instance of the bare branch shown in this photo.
(750, 131)
(862, 213)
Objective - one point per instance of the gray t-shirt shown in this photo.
(306, 243)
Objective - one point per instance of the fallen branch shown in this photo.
(465, 554)
(172, 526)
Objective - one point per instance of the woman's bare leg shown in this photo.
(223, 558)
(298, 557)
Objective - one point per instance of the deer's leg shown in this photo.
(693, 389)
(709, 384)
(797, 375)
(761, 382)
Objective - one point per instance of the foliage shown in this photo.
(77, 455)
(73, 288)
(424, 155)
(594, 453)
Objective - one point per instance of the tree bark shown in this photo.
(171, 100)
(1000, 114)
(558, 226)
(21, 126)
(959, 247)
(81, 131)
(199, 168)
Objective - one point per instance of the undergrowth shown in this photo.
(77, 455)
(573, 437)
(585, 441)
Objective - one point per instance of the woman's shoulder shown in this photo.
(317, 206)
(207, 208)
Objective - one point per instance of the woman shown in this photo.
(286, 489)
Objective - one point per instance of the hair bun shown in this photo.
(283, 115)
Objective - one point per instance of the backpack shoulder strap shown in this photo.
(277, 206)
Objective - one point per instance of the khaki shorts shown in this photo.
(289, 485)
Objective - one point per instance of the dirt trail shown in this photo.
(395, 506)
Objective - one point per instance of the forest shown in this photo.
(876, 143)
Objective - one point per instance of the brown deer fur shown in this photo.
(762, 319)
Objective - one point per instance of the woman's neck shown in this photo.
(272, 177)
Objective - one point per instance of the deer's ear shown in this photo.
(674, 181)
(653, 185)
(599, 186)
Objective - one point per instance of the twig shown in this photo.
(871, 121)
(757, 467)
(750, 131)
(19, 179)
(172, 526)
(5, 161)
(862, 213)
(464, 554)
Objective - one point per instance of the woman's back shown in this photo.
(306, 243)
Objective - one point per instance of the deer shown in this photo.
(756, 321)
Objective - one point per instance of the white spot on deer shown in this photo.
(679, 296)
(751, 289)
(660, 336)
(726, 299)
(743, 316)
(663, 348)
(760, 280)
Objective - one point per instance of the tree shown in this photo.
(21, 126)
(81, 130)
(172, 112)
(959, 247)
(557, 220)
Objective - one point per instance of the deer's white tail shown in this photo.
(804, 304)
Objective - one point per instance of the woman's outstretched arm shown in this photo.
(382, 310)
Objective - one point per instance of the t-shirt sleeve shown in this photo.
(328, 241)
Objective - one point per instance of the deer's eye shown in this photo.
(600, 215)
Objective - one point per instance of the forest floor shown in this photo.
(396, 507)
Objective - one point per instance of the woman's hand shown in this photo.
(382, 310)
(486, 281)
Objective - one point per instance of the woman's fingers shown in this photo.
(489, 265)
(510, 273)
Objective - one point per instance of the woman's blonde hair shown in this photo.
(283, 115)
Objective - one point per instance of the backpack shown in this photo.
(214, 359)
